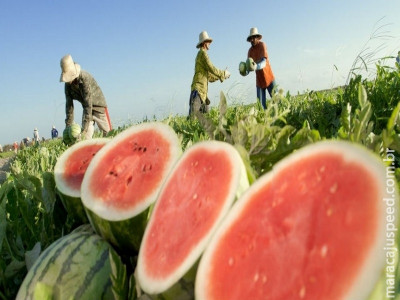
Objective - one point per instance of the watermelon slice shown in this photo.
(124, 178)
(312, 228)
(68, 174)
(195, 197)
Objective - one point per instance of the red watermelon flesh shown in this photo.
(125, 176)
(195, 197)
(313, 228)
(72, 164)
(76, 166)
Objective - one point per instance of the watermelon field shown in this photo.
(48, 248)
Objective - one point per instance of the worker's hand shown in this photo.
(250, 65)
(227, 74)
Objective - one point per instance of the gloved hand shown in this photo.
(227, 74)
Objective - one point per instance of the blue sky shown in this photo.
(142, 52)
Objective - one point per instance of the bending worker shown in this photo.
(81, 86)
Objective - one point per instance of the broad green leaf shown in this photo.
(394, 118)
(251, 175)
(118, 276)
(13, 268)
(48, 192)
(32, 255)
(3, 222)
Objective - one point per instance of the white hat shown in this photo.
(70, 70)
(253, 32)
(203, 37)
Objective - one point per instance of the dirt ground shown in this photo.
(4, 167)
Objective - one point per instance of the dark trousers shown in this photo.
(196, 104)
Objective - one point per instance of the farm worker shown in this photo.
(1, 148)
(81, 86)
(54, 132)
(204, 72)
(398, 59)
(265, 79)
(15, 146)
(36, 137)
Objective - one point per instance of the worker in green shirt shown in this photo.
(204, 72)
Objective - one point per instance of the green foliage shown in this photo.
(383, 93)
(32, 216)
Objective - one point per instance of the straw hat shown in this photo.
(254, 32)
(70, 70)
(203, 37)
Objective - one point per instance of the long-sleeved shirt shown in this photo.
(205, 72)
(85, 90)
(264, 76)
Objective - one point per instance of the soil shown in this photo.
(4, 167)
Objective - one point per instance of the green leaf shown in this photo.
(223, 106)
(394, 118)
(251, 175)
(48, 192)
(13, 268)
(3, 223)
(118, 276)
(32, 255)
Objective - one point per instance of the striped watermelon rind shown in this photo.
(74, 131)
(76, 266)
(66, 138)
(116, 233)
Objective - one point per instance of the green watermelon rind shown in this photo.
(76, 266)
(238, 184)
(74, 207)
(373, 268)
(125, 235)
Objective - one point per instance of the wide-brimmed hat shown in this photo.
(203, 37)
(69, 69)
(254, 32)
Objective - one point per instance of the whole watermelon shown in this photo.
(76, 266)
(66, 138)
(242, 68)
(74, 131)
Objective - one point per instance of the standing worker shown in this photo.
(258, 55)
(81, 86)
(36, 137)
(15, 145)
(54, 132)
(204, 72)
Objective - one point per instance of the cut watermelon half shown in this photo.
(69, 171)
(312, 228)
(195, 197)
(124, 179)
